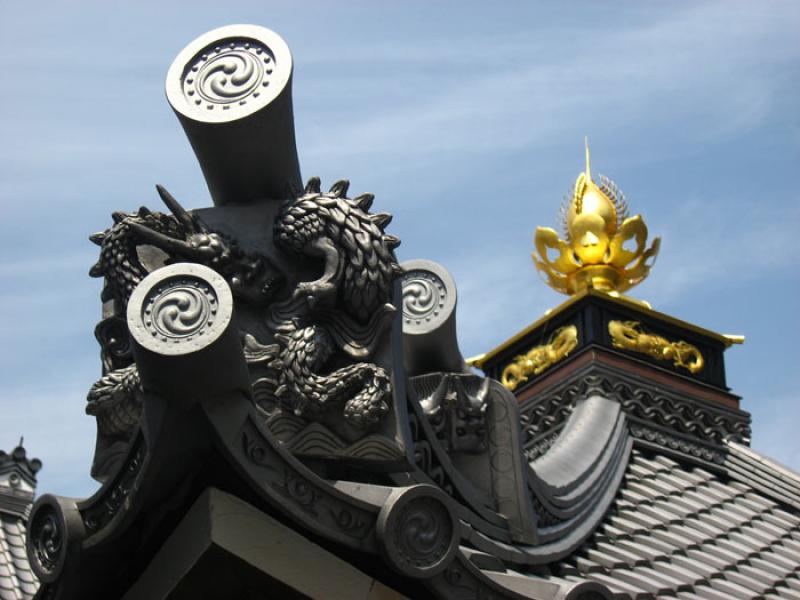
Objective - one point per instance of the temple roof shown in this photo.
(682, 531)
(17, 486)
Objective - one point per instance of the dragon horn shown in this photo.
(313, 186)
(339, 189)
(381, 219)
(364, 201)
(166, 243)
(184, 218)
(391, 241)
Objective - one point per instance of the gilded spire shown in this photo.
(586, 147)
(597, 226)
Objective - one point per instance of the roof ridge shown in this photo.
(764, 460)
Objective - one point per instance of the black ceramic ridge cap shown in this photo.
(572, 501)
(573, 456)
(769, 477)
(562, 547)
(607, 482)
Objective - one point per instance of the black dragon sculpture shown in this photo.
(323, 330)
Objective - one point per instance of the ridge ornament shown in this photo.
(593, 254)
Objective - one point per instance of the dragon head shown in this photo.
(143, 241)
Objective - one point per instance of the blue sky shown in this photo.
(466, 119)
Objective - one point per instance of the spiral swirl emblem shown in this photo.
(46, 538)
(423, 532)
(180, 308)
(55, 532)
(418, 531)
(424, 296)
(227, 74)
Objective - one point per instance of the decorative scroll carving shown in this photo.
(228, 74)
(563, 341)
(301, 491)
(629, 335)
(296, 490)
(350, 522)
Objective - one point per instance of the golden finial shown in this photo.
(597, 226)
(586, 149)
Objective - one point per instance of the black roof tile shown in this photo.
(677, 530)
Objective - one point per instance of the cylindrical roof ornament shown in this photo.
(429, 320)
(231, 89)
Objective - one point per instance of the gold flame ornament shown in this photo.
(597, 228)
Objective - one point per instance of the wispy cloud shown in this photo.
(465, 120)
(705, 246)
(718, 70)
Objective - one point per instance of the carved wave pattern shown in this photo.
(543, 417)
(317, 440)
(681, 416)
(228, 74)
(180, 308)
(424, 296)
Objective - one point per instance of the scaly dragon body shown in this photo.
(357, 280)
(359, 259)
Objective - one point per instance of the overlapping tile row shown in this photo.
(678, 531)
(17, 581)
(763, 474)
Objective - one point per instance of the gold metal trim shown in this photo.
(536, 360)
(482, 359)
(629, 335)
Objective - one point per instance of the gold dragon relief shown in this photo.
(629, 335)
(540, 358)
